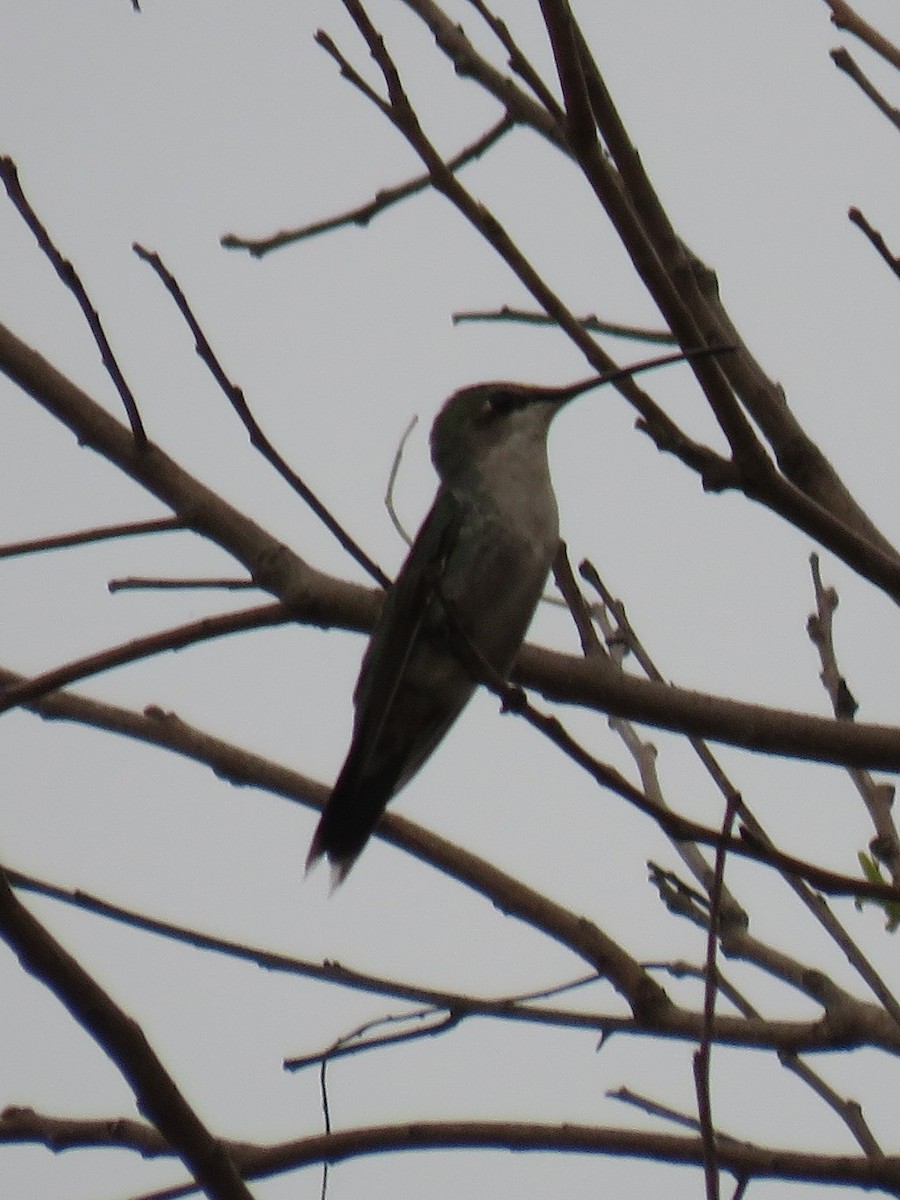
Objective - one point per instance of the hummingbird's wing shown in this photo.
(378, 758)
(406, 607)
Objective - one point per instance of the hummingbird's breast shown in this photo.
(501, 561)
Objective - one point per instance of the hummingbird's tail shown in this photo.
(331, 842)
(340, 867)
(350, 815)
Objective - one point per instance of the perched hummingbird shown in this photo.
(475, 571)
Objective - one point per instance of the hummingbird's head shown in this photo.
(491, 420)
(479, 422)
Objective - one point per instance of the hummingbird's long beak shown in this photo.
(562, 395)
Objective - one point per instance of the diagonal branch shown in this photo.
(67, 273)
(876, 239)
(261, 617)
(878, 796)
(85, 537)
(271, 564)
(845, 17)
(384, 199)
(844, 61)
(317, 598)
(591, 322)
(518, 62)
(580, 935)
(810, 490)
(581, 133)
(817, 503)
(734, 919)
(716, 471)
(120, 1037)
(258, 439)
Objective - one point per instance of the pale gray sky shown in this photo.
(189, 121)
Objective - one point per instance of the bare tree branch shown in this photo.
(875, 238)
(261, 617)
(845, 62)
(120, 1037)
(845, 17)
(137, 583)
(591, 323)
(384, 199)
(67, 273)
(86, 536)
(258, 439)
(759, 450)
(270, 563)
(734, 917)
(321, 599)
(19, 1126)
(877, 797)
(744, 1160)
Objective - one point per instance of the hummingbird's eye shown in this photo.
(503, 401)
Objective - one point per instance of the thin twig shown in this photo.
(70, 277)
(654, 1109)
(120, 1037)
(576, 604)
(384, 199)
(845, 62)
(703, 1054)
(85, 536)
(875, 238)
(399, 111)
(354, 1043)
(849, 1111)
(442, 1013)
(813, 900)
(591, 323)
(844, 17)
(140, 583)
(683, 970)
(620, 640)
(878, 797)
(326, 1117)
(258, 439)
(392, 479)
(515, 700)
(29, 690)
(518, 1007)
(518, 62)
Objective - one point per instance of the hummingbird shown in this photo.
(475, 572)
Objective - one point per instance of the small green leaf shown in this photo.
(872, 871)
